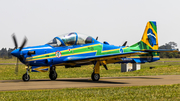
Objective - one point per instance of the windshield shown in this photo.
(55, 42)
(70, 39)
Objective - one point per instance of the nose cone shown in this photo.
(16, 53)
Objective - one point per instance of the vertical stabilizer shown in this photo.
(150, 38)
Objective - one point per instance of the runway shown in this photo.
(10, 85)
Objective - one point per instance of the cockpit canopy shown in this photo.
(71, 39)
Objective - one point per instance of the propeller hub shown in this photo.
(16, 53)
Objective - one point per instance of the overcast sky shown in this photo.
(114, 21)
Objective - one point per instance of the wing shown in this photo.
(159, 50)
(111, 58)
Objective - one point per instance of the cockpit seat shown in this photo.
(88, 40)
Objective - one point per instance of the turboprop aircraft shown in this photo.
(75, 50)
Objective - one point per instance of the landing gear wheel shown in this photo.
(26, 77)
(53, 75)
(95, 77)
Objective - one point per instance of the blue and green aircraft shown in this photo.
(75, 50)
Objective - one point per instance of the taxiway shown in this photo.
(10, 85)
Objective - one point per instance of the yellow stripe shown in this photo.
(69, 54)
(40, 69)
(124, 48)
(42, 58)
(110, 50)
(143, 57)
(42, 55)
(64, 51)
(63, 55)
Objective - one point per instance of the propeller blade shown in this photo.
(97, 38)
(15, 41)
(21, 56)
(16, 69)
(23, 44)
(124, 43)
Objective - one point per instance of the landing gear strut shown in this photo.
(95, 75)
(26, 76)
(52, 73)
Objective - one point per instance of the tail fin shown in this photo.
(149, 39)
(149, 44)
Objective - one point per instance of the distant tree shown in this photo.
(9, 52)
(170, 45)
(4, 53)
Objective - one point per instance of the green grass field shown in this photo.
(135, 93)
(161, 68)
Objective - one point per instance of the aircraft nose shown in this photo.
(15, 53)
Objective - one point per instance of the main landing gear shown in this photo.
(52, 73)
(95, 75)
(26, 76)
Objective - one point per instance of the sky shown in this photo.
(114, 21)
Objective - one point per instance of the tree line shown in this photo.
(170, 45)
(6, 53)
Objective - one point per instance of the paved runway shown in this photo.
(10, 85)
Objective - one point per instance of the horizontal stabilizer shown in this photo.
(159, 50)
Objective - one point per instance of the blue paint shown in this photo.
(151, 37)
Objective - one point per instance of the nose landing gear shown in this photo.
(26, 76)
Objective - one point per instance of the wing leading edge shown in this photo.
(79, 59)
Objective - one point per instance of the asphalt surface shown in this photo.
(10, 85)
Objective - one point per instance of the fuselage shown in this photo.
(47, 55)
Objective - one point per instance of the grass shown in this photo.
(135, 93)
(12, 60)
(161, 68)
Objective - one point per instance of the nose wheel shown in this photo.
(26, 77)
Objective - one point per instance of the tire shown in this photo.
(25, 77)
(53, 75)
(95, 77)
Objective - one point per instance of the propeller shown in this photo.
(23, 44)
(16, 52)
(124, 43)
(15, 42)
